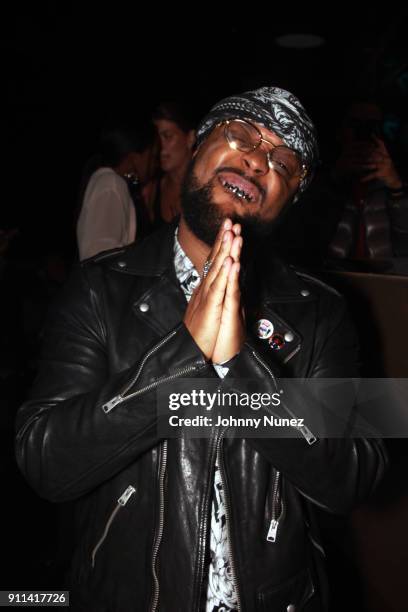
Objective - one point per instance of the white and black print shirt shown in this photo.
(221, 593)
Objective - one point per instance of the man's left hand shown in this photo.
(231, 334)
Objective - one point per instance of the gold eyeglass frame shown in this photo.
(227, 122)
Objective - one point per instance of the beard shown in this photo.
(204, 217)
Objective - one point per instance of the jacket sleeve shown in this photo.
(334, 473)
(70, 436)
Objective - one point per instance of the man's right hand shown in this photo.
(203, 314)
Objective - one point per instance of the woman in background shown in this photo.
(175, 128)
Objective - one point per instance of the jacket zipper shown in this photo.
(159, 532)
(204, 523)
(118, 399)
(122, 501)
(220, 461)
(121, 397)
(292, 354)
(305, 431)
(277, 501)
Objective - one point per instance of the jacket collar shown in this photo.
(154, 256)
(282, 283)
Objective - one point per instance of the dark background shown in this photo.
(67, 68)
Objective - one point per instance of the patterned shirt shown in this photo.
(221, 593)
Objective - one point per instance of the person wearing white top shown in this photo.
(107, 219)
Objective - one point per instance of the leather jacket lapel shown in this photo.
(161, 306)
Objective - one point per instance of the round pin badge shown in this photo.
(264, 329)
(276, 342)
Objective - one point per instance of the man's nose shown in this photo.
(256, 161)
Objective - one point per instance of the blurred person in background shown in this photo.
(356, 211)
(112, 208)
(374, 220)
(175, 128)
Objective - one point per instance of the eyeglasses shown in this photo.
(244, 136)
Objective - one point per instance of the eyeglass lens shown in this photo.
(245, 137)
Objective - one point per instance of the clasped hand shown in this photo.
(214, 316)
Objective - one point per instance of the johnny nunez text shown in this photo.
(205, 421)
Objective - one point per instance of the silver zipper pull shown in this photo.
(112, 403)
(307, 434)
(273, 528)
(124, 498)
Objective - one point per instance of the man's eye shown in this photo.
(280, 164)
(242, 143)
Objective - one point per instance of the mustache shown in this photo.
(243, 175)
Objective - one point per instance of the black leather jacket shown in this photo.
(143, 503)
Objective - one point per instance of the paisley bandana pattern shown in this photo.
(186, 273)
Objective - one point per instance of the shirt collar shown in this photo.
(186, 273)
